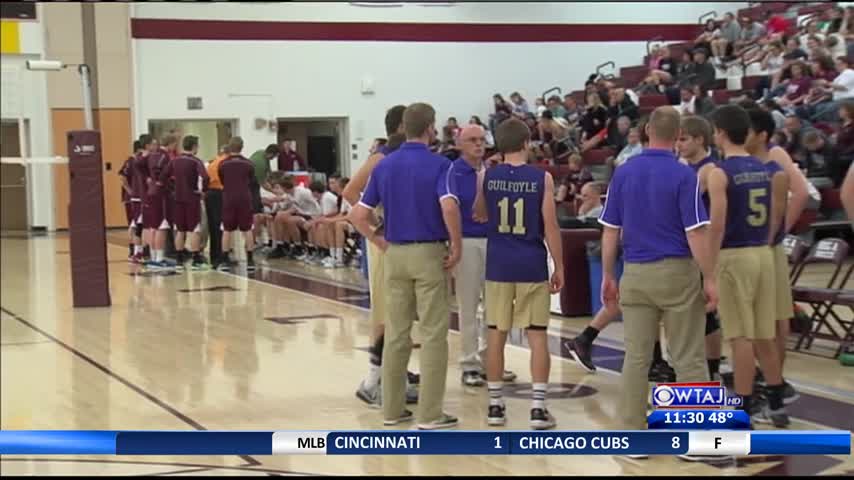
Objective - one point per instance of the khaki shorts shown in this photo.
(746, 290)
(783, 298)
(517, 305)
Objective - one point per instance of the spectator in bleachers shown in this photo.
(503, 111)
(700, 73)
(573, 110)
(487, 135)
(797, 86)
(815, 47)
(520, 106)
(722, 46)
(703, 105)
(776, 113)
(686, 95)
(556, 107)
(810, 30)
(591, 201)
(663, 74)
(777, 25)
(835, 46)
(793, 51)
(632, 148)
(793, 131)
(594, 118)
(571, 185)
(709, 34)
(655, 55)
(618, 137)
(450, 131)
(749, 36)
(685, 64)
(620, 104)
(772, 63)
(819, 154)
(531, 122)
(541, 106)
(830, 21)
(845, 135)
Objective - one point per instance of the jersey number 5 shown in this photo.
(758, 210)
(519, 209)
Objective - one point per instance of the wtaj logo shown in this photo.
(693, 395)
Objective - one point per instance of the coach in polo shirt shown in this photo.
(655, 201)
(421, 215)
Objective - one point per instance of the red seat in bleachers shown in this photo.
(596, 156)
(750, 83)
(653, 100)
(721, 97)
(633, 75)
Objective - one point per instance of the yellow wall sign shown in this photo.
(10, 37)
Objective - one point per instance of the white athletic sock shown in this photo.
(338, 254)
(157, 255)
(374, 375)
(496, 391)
(538, 397)
(137, 249)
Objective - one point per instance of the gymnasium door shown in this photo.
(322, 155)
(13, 180)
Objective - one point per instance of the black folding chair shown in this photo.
(796, 249)
(831, 251)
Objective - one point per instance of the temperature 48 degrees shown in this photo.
(721, 417)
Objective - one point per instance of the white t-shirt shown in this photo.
(328, 203)
(268, 195)
(304, 201)
(345, 207)
(775, 64)
(845, 79)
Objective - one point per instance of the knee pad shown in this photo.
(712, 323)
(537, 327)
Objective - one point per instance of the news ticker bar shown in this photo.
(31, 442)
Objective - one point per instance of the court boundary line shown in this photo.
(242, 468)
(115, 376)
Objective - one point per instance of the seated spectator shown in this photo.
(685, 64)
(810, 30)
(531, 122)
(777, 25)
(815, 48)
(793, 51)
(830, 21)
(797, 87)
(776, 113)
(489, 140)
(700, 73)
(722, 46)
(571, 185)
(703, 105)
(450, 131)
(620, 105)
(710, 33)
(556, 133)
(556, 107)
(520, 106)
(541, 106)
(655, 55)
(686, 95)
(591, 201)
(772, 63)
(835, 46)
(618, 137)
(632, 148)
(662, 75)
(748, 37)
(819, 154)
(793, 131)
(845, 138)
(573, 110)
(503, 111)
(594, 118)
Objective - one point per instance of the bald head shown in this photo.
(663, 126)
(472, 143)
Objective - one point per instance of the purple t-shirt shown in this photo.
(654, 199)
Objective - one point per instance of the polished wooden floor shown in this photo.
(284, 350)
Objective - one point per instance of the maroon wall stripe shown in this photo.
(164, 29)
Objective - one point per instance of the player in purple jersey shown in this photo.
(761, 129)
(369, 390)
(740, 192)
(518, 201)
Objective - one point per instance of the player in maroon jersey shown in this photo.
(139, 190)
(154, 208)
(130, 201)
(190, 181)
(237, 174)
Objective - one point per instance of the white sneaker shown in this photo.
(328, 262)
